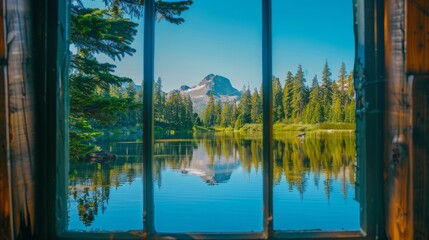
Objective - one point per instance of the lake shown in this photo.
(213, 183)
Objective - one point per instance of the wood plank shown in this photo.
(420, 156)
(407, 60)
(417, 31)
(417, 68)
(21, 118)
(397, 131)
(5, 214)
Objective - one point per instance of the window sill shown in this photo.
(250, 236)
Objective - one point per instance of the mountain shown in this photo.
(220, 86)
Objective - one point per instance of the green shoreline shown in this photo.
(283, 127)
(277, 128)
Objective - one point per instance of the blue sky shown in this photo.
(225, 36)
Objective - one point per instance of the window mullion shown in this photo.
(148, 139)
(267, 101)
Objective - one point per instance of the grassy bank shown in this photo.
(282, 127)
(277, 127)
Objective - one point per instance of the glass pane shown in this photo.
(105, 188)
(314, 110)
(208, 115)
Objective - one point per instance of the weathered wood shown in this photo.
(397, 134)
(417, 33)
(21, 118)
(5, 207)
(417, 68)
(407, 60)
(420, 156)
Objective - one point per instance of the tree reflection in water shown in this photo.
(214, 157)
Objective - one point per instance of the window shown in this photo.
(205, 180)
(105, 180)
(314, 174)
(368, 214)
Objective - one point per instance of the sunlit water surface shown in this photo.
(213, 183)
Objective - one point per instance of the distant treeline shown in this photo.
(173, 111)
(294, 102)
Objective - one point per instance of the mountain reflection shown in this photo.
(215, 158)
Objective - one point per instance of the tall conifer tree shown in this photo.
(313, 111)
(209, 114)
(299, 95)
(287, 96)
(278, 114)
(256, 111)
(326, 91)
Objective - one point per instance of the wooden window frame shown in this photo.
(52, 23)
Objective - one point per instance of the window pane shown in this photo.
(105, 188)
(207, 163)
(314, 110)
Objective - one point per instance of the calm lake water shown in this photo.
(213, 183)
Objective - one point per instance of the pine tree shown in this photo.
(278, 114)
(169, 11)
(189, 117)
(350, 112)
(131, 90)
(175, 109)
(226, 115)
(326, 91)
(197, 120)
(183, 120)
(129, 119)
(299, 95)
(287, 97)
(209, 114)
(313, 111)
(256, 111)
(336, 114)
(342, 78)
(350, 86)
(180, 113)
(245, 106)
(218, 113)
(158, 102)
(235, 113)
(93, 32)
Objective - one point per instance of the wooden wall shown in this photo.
(406, 135)
(5, 226)
(417, 70)
(420, 156)
(18, 99)
(417, 36)
(406, 118)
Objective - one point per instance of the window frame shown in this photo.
(369, 85)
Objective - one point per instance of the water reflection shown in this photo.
(332, 155)
(317, 161)
(91, 186)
